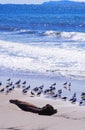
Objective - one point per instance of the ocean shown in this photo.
(44, 39)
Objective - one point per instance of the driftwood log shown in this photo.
(25, 106)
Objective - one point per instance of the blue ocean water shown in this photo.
(32, 21)
(47, 38)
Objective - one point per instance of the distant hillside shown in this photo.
(53, 3)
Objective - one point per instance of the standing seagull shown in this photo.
(32, 94)
(8, 79)
(74, 100)
(2, 90)
(52, 85)
(0, 83)
(18, 82)
(69, 84)
(24, 82)
(65, 83)
(64, 98)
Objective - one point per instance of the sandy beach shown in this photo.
(69, 116)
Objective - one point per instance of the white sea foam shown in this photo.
(75, 36)
(25, 57)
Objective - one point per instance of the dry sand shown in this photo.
(69, 117)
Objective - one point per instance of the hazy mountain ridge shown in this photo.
(53, 3)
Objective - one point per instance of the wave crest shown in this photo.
(74, 36)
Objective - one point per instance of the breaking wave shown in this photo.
(74, 36)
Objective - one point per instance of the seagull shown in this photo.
(8, 79)
(2, 90)
(36, 89)
(46, 91)
(24, 91)
(38, 94)
(24, 82)
(0, 83)
(69, 88)
(81, 102)
(7, 86)
(65, 87)
(53, 88)
(32, 93)
(41, 87)
(74, 95)
(52, 85)
(83, 95)
(64, 98)
(27, 87)
(69, 84)
(74, 100)
(23, 86)
(18, 82)
(11, 84)
(65, 83)
(56, 95)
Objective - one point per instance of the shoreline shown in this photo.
(77, 86)
(35, 80)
